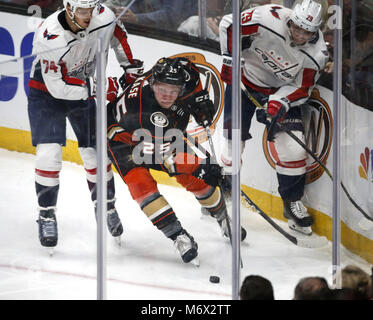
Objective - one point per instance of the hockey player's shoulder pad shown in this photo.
(267, 15)
(267, 18)
(51, 33)
(317, 53)
(102, 17)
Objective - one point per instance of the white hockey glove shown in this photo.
(131, 73)
(112, 88)
(226, 69)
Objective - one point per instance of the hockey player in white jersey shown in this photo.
(61, 86)
(283, 52)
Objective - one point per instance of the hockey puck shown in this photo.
(214, 279)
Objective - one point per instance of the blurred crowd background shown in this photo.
(200, 19)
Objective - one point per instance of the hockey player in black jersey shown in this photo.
(146, 128)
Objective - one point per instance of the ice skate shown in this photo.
(224, 229)
(48, 234)
(222, 217)
(187, 247)
(304, 230)
(114, 224)
(204, 212)
(299, 218)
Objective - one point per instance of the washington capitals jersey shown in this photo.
(64, 60)
(273, 64)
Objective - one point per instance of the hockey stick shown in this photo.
(301, 242)
(227, 219)
(200, 148)
(300, 142)
(214, 159)
(306, 243)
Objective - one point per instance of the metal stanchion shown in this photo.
(202, 19)
(236, 152)
(101, 172)
(101, 184)
(337, 95)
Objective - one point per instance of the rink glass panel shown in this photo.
(40, 270)
(356, 159)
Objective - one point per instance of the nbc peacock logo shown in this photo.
(366, 160)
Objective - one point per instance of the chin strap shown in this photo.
(72, 17)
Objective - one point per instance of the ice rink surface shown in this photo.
(146, 265)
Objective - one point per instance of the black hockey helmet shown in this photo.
(170, 71)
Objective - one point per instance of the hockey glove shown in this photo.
(262, 116)
(202, 108)
(210, 173)
(277, 111)
(226, 70)
(112, 89)
(131, 73)
(277, 108)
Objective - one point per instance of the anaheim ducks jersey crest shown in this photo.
(139, 114)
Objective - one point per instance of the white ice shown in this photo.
(146, 266)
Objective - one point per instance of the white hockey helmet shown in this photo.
(307, 15)
(80, 4)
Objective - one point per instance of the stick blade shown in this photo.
(312, 242)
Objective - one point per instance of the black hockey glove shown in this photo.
(271, 122)
(262, 116)
(210, 173)
(131, 73)
(202, 108)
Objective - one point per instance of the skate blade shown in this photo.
(118, 241)
(303, 230)
(51, 251)
(195, 262)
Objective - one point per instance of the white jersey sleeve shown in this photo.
(119, 43)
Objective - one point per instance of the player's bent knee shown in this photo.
(49, 157)
(140, 184)
(288, 149)
(89, 157)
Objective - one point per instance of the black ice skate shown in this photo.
(187, 247)
(299, 218)
(224, 228)
(48, 234)
(114, 224)
(223, 219)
